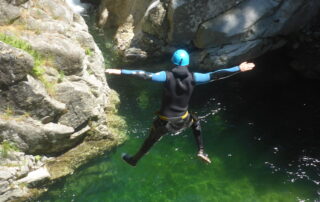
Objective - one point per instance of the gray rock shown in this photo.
(80, 133)
(255, 19)
(234, 25)
(186, 16)
(205, 25)
(5, 174)
(15, 64)
(9, 13)
(235, 53)
(103, 14)
(23, 170)
(32, 97)
(133, 54)
(35, 176)
(4, 185)
(13, 194)
(252, 21)
(120, 10)
(17, 2)
(81, 104)
(33, 137)
(67, 55)
(154, 21)
(57, 10)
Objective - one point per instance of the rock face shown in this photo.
(15, 64)
(217, 33)
(58, 80)
(14, 169)
(303, 50)
(53, 92)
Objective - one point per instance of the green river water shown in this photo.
(260, 132)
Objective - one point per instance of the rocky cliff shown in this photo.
(56, 109)
(217, 33)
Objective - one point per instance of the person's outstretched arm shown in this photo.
(222, 73)
(157, 77)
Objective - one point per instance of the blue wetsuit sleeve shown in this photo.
(156, 77)
(159, 77)
(201, 78)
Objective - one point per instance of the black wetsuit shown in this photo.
(173, 116)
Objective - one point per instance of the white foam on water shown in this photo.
(77, 6)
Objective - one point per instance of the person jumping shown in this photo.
(178, 85)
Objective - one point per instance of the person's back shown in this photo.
(177, 92)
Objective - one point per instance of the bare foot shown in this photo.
(204, 157)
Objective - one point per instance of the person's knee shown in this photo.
(196, 125)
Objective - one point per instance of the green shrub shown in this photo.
(61, 76)
(7, 147)
(39, 59)
(88, 52)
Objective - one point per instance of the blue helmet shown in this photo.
(180, 57)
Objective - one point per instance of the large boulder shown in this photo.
(32, 97)
(33, 137)
(119, 11)
(154, 20)
(215, 58)
(9, 13)
(81, 103)
(205, 27)
(15, 64)
(186, 16)
(255, 19)
(235, 25)
(67, 56)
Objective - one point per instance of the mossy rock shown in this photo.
(68, 162)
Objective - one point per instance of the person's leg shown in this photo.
(156, 132)
(196, 129)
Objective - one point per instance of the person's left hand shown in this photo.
(245, 66)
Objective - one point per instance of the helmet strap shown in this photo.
(180, 62)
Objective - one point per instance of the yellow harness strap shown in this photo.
(167, 118)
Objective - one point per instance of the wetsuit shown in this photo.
(173, 116)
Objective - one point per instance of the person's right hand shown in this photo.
(113, 71)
